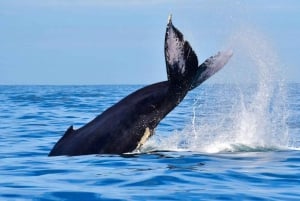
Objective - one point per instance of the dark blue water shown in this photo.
(222, 142)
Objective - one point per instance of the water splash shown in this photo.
(254, 116)
(260, 122)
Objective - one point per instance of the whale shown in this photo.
(128, 124)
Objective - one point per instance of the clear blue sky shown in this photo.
(121, 42)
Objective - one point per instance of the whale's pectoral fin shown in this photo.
(210, 66)
(181, 60)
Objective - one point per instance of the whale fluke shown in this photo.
(210, 66)
(181, 60)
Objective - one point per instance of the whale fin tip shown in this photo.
(69, 131)
(170, 19)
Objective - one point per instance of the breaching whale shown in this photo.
(127, 125)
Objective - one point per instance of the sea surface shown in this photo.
(223, 142)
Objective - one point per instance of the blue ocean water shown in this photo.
(223, 142)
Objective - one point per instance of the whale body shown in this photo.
(127, 125)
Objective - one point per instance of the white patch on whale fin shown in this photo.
(175, 48)
(180, 58)
(210, 66)
(145, 137)
(170, 19)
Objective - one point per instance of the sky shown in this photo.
(122, 42)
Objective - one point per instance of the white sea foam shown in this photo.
(257, 118)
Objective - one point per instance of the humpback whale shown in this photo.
(125, 126)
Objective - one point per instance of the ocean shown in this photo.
(223, 142)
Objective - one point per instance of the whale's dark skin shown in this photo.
(120, 128)
(126, 125)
